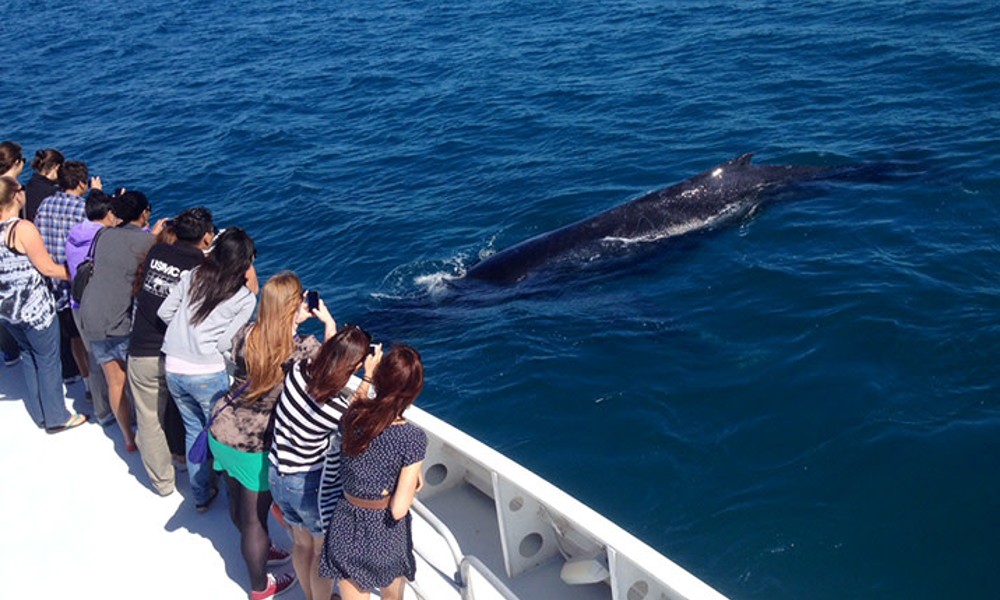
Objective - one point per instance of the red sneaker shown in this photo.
(276, 556)
(275, 586)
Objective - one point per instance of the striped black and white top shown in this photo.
(331, 486)
(303, 427)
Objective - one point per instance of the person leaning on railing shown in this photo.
(368, 543)
(203, 313)
(241, 430)
(317, 393)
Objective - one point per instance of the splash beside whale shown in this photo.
(715, 197)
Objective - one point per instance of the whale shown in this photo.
(723, 194)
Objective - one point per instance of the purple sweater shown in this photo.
(77, 246)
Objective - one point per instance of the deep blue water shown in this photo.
(803, 405)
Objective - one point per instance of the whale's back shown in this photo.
(712, 198)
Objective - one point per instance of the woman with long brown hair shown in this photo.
(242, 427)
(316, 395)
(368, 543)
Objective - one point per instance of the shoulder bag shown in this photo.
(199, 451)
(85, 271)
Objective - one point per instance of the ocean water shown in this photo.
(801, 405)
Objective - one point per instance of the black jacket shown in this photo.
(39, 188)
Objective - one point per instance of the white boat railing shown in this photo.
(442, 530)
(466, 567)
(539, 524)
(470, 568)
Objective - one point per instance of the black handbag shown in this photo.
(85, 271)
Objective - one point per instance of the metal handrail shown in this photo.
(442, 530)
(471, 562)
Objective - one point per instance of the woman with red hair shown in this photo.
(368, 543)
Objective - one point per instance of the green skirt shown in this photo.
(249, 468)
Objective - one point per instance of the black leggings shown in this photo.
(249, 511)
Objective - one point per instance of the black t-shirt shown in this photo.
(161, 272)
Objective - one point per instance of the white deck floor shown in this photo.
(78, 518)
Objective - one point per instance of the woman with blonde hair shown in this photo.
(28, 311)
(242, 426)
(11, 165)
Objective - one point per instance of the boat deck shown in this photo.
(80, 520)
(79, 517)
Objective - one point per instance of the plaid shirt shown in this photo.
(56, 216)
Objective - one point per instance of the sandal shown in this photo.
(74, 421)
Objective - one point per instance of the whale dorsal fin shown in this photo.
(742, 160)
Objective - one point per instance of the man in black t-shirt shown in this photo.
(161, 271)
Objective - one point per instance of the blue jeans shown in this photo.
(42, 366)
(195, 395)
(297, 495)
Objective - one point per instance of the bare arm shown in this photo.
(371, 362)
(28, 241)
(252, 284)
(159, 226)
(406, 489)
(329, 324)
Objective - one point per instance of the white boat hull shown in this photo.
(515, 535)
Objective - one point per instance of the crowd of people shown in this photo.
(158, 319)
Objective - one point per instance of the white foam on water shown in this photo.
(437, 284)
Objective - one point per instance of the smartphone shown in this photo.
(312, 299)
(371, 349)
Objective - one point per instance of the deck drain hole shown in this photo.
(516, 504)
(530, 545)
(638, 590)
(436, 474)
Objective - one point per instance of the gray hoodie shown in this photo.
(207, 342)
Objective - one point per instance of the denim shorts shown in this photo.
(109, 349)
(297, 495)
